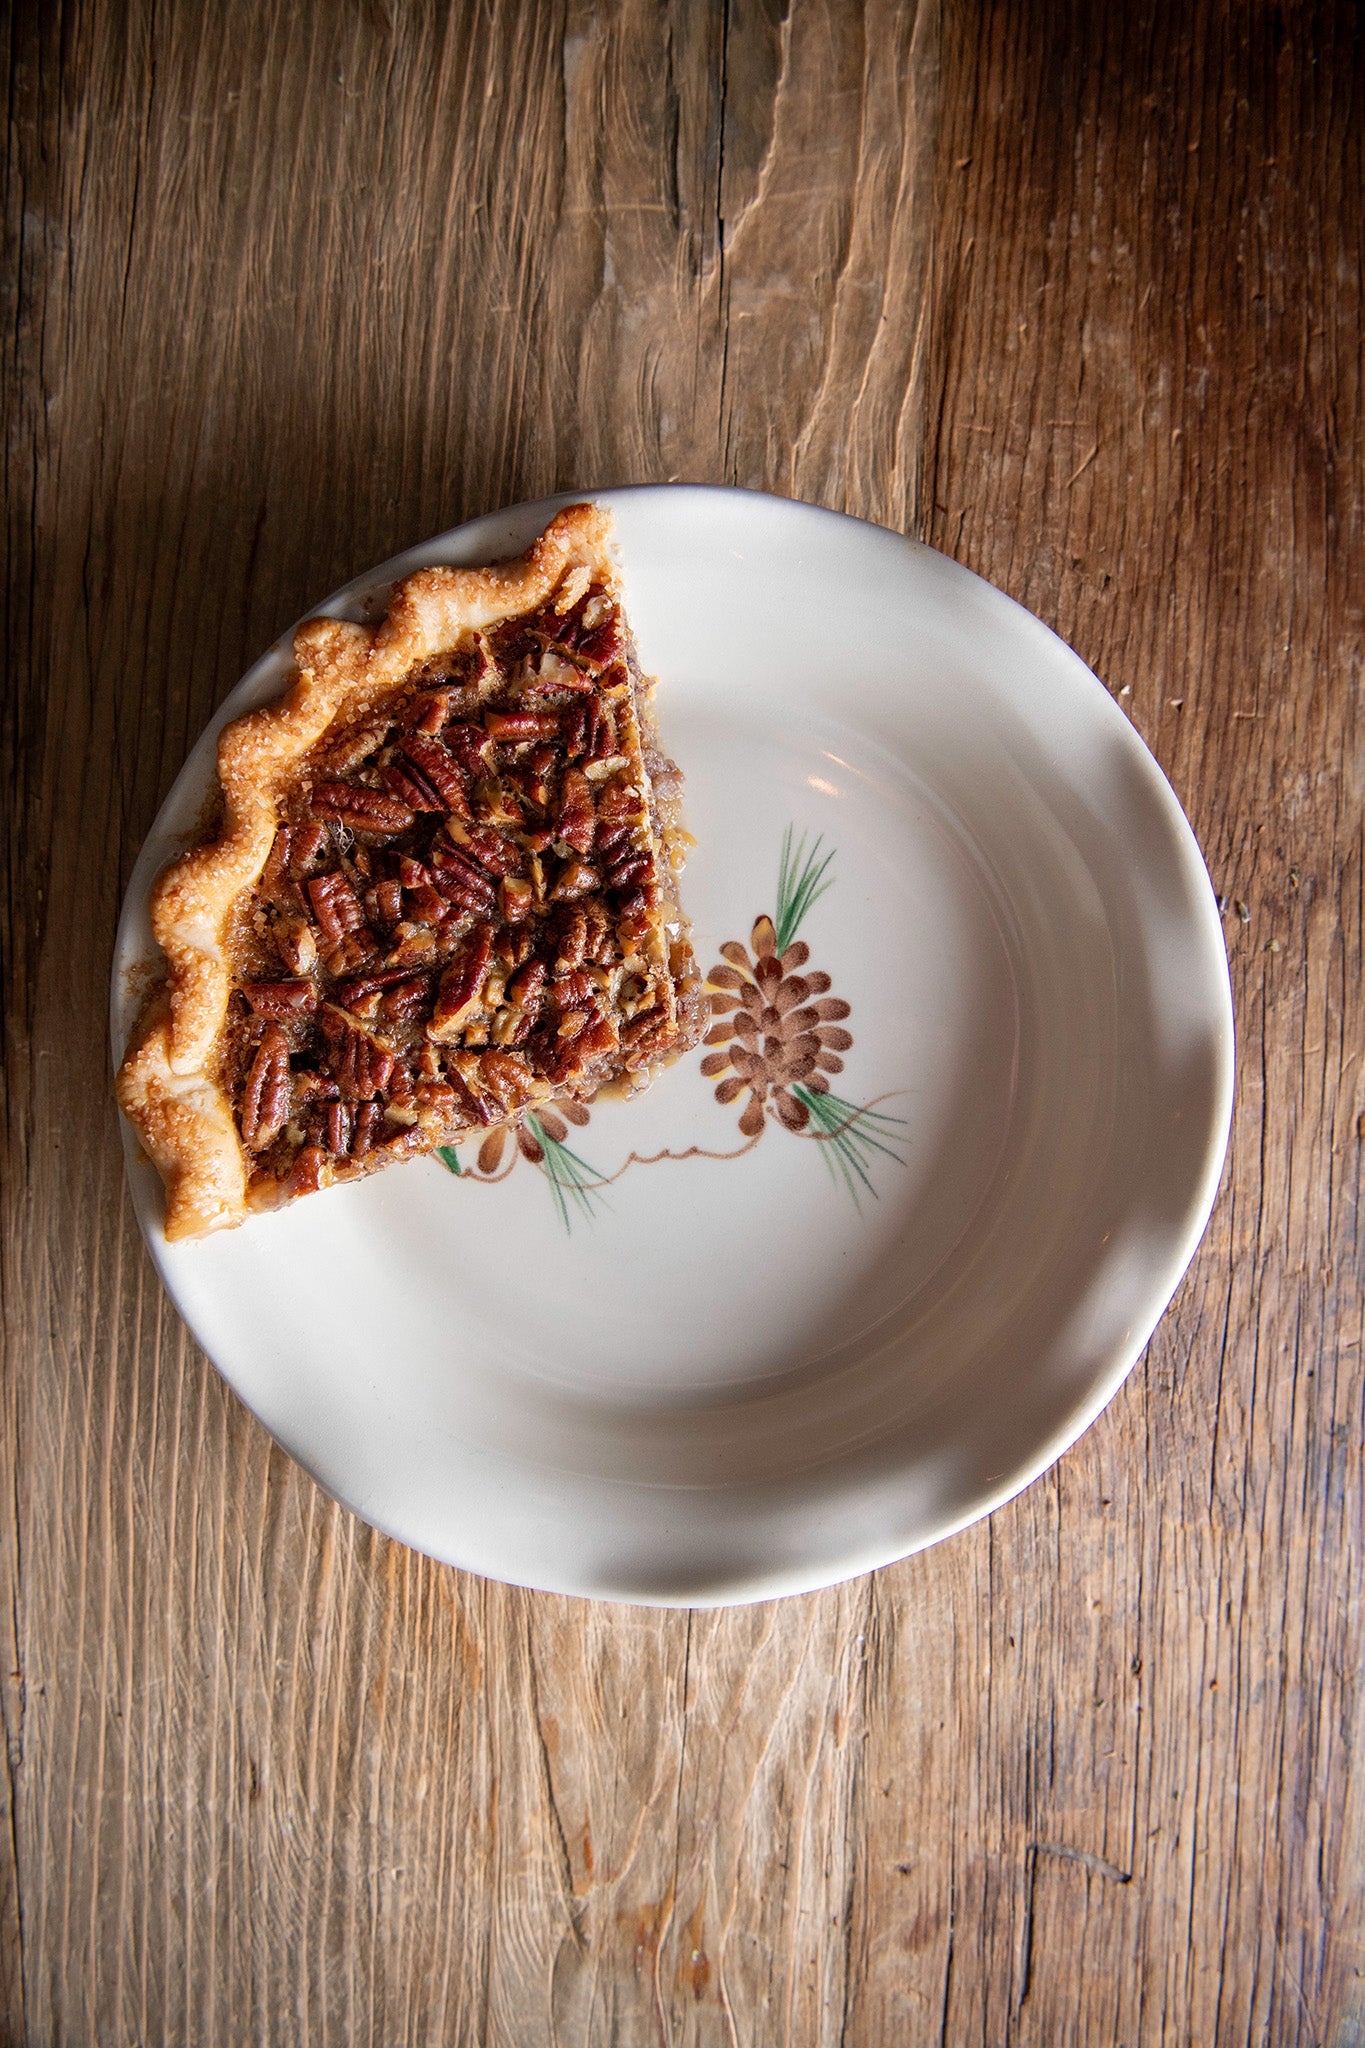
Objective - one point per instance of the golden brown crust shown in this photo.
(168, 1085)
(186, 1124)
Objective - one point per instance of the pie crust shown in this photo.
(302, 1010)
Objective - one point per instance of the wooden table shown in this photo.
(1074, 293)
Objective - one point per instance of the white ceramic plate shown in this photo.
(770, 1363)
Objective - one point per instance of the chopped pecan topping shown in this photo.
(415, 948)
(604, 645)
(305, 1175)
(626, 866)
(497, 802)
(554, 676)
(310, 1087)
(388, 902)
(424, 905)
(461, 880)
(598, 734)
(571, 991)
(275, 882)
(295, 944)
(357, 949)
(469, 1103)
(646, 1029)
(534, 778)
(506, 1077)
(592, 1036)
(513, 949)
(352, 749)
(294, 851)
(618, 806)
(308, 843)
(351, 992)
(576, 731)
(575, 878)
(636, 918)
(437, 1098)
(407, 999)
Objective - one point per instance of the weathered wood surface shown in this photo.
(1075, 293)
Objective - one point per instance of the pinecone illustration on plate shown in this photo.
(783, 1035)
(779, 1035)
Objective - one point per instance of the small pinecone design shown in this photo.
(775, 1027)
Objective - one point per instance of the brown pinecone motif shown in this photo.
(777, 1027)
(493, 1150)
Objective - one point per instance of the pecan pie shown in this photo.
(442, 890)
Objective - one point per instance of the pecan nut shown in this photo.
(438, 768)
(265, 1099)
(295, 944)
(461, 986)
(506, 1077)
(409, 787)
(364, 810)
(281, 1000)
(514, 898)
(521, 725)
(336, 906)
(576, 821)
(470, 746)
(494, 853)
(575, 878)
(360, 1064)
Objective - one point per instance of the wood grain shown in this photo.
(1072, 291)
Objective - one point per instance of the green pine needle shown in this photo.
(850, 1137)
(801, 882)
(572, 1180)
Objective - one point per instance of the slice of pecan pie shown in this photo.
(442, 890)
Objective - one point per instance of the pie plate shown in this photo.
(803, 1308)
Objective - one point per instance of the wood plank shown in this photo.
(1145, 424)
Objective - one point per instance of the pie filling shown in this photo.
(470, 906)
